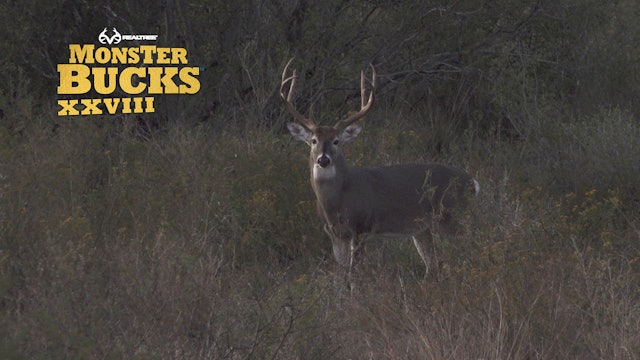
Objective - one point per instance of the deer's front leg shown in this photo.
(343, 244)
(345, 247)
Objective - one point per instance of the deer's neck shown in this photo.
(328, 184)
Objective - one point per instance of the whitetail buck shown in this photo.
(410, 200)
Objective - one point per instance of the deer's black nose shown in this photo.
(324, 161)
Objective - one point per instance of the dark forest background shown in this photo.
(191, 232)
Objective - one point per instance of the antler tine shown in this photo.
(364, 107)
(288, 98)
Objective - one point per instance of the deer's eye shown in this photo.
(335, 142)
(314, 141)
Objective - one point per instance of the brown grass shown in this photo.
(192, 245)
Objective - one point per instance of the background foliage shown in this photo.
(191, 232)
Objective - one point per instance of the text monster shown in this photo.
(143, 70)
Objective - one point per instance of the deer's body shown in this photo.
(408, 199)
(397, 199)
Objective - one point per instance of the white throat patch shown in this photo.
(326, 173)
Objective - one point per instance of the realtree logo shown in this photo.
(159, 70)
(105, 39)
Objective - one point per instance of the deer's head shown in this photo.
(325, 141)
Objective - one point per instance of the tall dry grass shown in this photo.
(194, 244)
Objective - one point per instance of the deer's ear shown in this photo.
(349, 133)
(299, 132)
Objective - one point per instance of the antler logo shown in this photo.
(105, 39)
